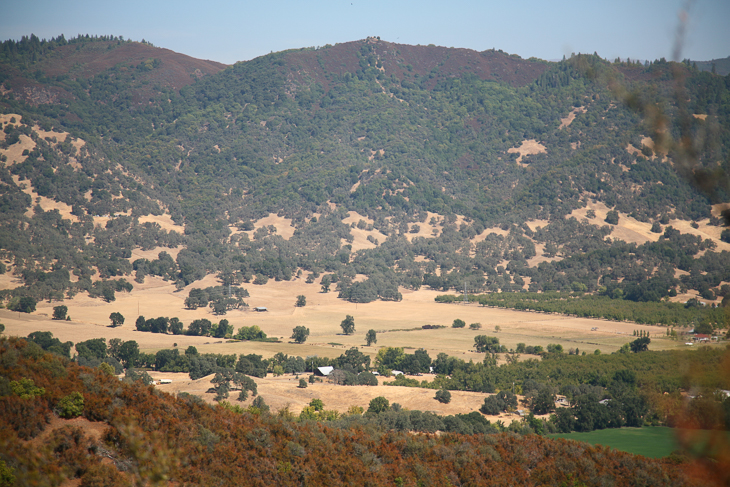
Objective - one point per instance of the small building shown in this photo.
(562, 402)
(323, 371)
(396, 372)
(260, 309)
(165, 381)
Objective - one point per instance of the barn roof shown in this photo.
(325, 371)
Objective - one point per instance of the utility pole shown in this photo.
(312, 357)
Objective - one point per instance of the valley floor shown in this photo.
(398, 324)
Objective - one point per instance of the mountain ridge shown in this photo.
(86, 57)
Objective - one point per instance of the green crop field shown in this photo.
(654, 442)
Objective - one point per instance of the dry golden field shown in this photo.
(394, 321)
(281, 392)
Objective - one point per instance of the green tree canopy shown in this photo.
(129, 353)
(640, 344)
(484, 343)
(200, 327)
(458, 323)
(300, 334)
(59, 312)
(443, 396)
(116, 318)
(378, 405)
(348, 325)
(94, 348)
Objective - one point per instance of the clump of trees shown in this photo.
(640, 344)
(498, 403)
(609, 304)
(252, 332)
(24, 304)
(612, 217)
(220, 299)
(198, 327)
(483, 343)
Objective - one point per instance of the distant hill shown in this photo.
(447, 165)
(722, 66)
(88, 57)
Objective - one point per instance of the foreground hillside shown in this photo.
(125, 432)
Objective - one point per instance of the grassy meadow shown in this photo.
(651, 441)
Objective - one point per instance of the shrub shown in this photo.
(26, 389)
(27, 417)
(6, 474)
(71, 406)
(355, 411)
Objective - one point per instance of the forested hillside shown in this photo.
(444, 156)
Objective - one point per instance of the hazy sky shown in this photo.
(230, 31)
